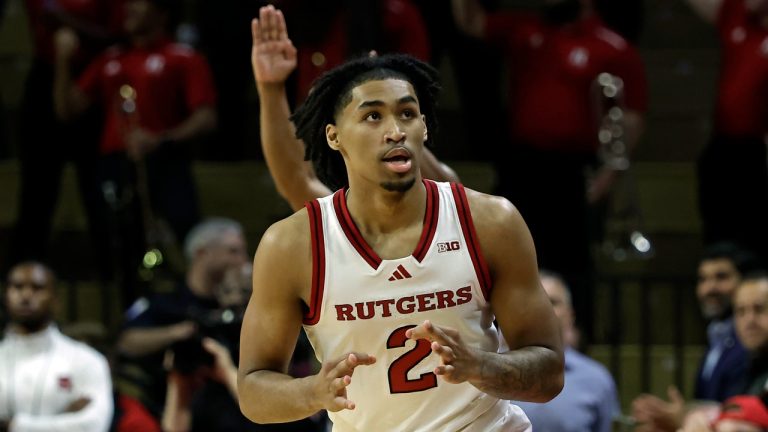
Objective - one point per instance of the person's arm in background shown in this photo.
(200, 98)
(273, 58)
(141, 341)
(93, 409)
(708, 10)
(68, 100)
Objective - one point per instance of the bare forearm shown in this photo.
(200, 122)
(533, 374)
(283, 152)
(68, 102)
(141, 342)
(288, 399)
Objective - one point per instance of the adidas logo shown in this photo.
(400, 273)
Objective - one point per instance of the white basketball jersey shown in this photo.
(362, 303)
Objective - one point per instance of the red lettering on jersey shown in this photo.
(445, 299)
(344, 312)
(404, 308)
(385, 304)
(362, 314)
(464, 294)
(424, 302)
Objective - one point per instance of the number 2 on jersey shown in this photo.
(398, 370)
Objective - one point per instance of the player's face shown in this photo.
(718, 279)
(750, 312)
(381, 134)
(29, 296)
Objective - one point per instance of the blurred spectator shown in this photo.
(750, 311)
(273, 59)
(50, 382)
(737, 414)
(724, 366)
(732, 169)
(157, 98)
(46, 144)
(588, 402)
(554, 59)
(328, 33)
(179, 319)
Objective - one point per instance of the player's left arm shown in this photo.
(532, 369)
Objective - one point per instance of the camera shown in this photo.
(221, 324)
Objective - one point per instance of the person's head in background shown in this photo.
(29, 297)
(742, 414)
(750, 307)
(719, 273)
(560, 296)
(150, 18)
(211, 248)
(235, 289)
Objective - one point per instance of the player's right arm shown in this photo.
(273, 58)
(706, 9)
(282, 270)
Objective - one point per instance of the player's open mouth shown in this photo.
(398, 160)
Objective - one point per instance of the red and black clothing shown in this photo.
(48, 144)
(552, 131)
(733, 172)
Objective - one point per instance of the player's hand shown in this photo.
(65, 43)
(273, 55)
(331, 382)
(458, 362)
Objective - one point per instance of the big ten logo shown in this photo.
(448, 246)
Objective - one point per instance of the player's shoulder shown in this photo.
(289, 233)
(490, 209)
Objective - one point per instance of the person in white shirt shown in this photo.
(48, 381)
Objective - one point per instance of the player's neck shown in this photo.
(379, 211)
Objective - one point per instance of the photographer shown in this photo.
(179, 321)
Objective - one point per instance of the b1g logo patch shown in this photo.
(448, 246)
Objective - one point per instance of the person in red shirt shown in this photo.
(555, 58)
(45, 143)
(733, 173)
(156, 97)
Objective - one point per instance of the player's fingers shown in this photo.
(444, 370)
(264, 22)
(282, 30)
(338, 385)
(255, 31)
(341, 403)
(445, 352)
(272, 23)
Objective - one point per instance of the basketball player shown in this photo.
(399, 282)
(273, 61)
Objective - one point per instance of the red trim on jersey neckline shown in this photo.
(470, 236)
(358, 241)
(312, 316)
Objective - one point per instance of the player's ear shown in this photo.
(424, 122)
(332, 136)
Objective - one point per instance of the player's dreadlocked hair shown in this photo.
(333, 91)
